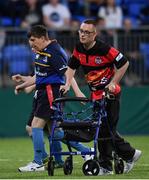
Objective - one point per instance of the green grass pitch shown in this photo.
(16, 152)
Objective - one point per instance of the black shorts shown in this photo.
(43, 105)
(31, 116)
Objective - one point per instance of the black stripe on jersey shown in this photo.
(73, 63)
(100, 49)
(121, 62)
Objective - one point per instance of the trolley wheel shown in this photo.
(118, 166)
(51, 167)
(91, 167)
(68, 166)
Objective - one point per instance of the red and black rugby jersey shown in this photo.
(98, 63)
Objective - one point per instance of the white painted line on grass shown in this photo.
(6, 160)
(21, 160)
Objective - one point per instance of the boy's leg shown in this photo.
(38, 142)
(79, 146)
(44, 153)
(76, 145)
(36, 164)
(57, 147)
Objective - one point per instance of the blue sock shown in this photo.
(38, 142)
(44, 153)
(57, 147)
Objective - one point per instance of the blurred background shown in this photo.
(122, 23)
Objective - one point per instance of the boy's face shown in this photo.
(37, 44)
(87, 33)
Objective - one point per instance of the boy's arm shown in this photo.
(119, 73)
(18, 78)
(76, 88)
(30, 81)
(29, 89)
(69, 76)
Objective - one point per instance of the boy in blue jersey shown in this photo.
(50, 67)
(56, 144)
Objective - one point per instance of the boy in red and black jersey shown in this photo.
(104, 67)
(98, 64)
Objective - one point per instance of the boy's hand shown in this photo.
(17, 78)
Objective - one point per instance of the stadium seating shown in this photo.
(144, 49)
(18, 57)
(135, 1)
(134, 9)
(78, 18)
(6, 21)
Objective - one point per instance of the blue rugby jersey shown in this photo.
(50, 65)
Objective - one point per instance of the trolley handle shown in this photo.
(65, 99)
(107, 94)
(112, 95)
(62, 93)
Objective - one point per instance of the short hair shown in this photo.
(38, 31)
(90, 21)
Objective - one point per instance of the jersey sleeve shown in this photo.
(120, 60)
(74, 62)
(117, 57)
(58, 62)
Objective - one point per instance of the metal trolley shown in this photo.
(82, 125)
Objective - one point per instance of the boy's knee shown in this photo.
(29, 130)
(59, 133)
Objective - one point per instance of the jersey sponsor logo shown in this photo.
(35, 94)
(37, 56)
(98, 60)
(119, 57)
(45, 59)
(40, 74)
(104, 80)
(63, 67)
(37, 72)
